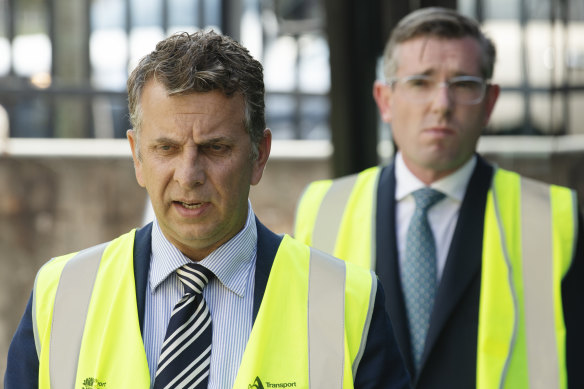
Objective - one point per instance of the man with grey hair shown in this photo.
(205, 296)
(482, 268)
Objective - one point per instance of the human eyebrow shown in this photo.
(163, 140)
(214, 141)
(425, 73)
(216, 146)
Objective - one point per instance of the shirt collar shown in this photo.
(453, 185)
(230, 263)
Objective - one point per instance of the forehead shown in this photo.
(196, 111)
(428, 54)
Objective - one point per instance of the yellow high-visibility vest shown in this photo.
(340, 219)
(528, 244)
(308, 331)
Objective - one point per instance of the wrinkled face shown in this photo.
(438, 136)
(194, 159)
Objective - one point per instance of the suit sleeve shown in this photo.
(22, 365)
(381, 365)
(572, 297)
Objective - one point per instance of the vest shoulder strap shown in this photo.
(326, 320)
(70, 311)
(539, 284)
(326, 312)
(330, 213)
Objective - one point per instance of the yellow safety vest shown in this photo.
(340, 218)
(528, 245)
(88, 336)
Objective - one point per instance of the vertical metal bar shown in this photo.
(52, 34)
(567, 71)
(201, 15)
(51, 103)
(128, 30)
(165, 17)
(90, 124)
(231, 11)
(552, 69)
(525, 87)
(296, 92)
(225, 24)
(9, 19)
(87, 36)
(353, 58)
(480, 11)
(128, 17)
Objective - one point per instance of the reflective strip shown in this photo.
(509, 281)
(330, 214)
(326, 321)
(35, 323)
(538, 283)
(69, 314)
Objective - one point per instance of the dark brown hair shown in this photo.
(441, 23)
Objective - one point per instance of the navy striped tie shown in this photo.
(186, 352)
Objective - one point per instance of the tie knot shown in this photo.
(194, 277)
(427, 197)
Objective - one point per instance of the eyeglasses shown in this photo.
(465, 90)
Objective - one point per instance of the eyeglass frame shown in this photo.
(448, 83)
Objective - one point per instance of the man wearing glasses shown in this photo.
(482, 268)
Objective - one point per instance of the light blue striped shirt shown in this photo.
(229, 296)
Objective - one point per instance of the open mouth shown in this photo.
(190, 205)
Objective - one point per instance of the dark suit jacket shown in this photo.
(449, 358)
(380, 366)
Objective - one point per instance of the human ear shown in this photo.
(133, 139)
(491, 97)
(382, 95)
(264, 147)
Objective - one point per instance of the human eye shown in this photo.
(216, 148)
(165, 148)
(469, 84)
(418, 82)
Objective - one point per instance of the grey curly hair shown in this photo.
(202, 62)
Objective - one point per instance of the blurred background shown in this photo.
(66, 176)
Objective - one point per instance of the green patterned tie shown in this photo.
(418, 273)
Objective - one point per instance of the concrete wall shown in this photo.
(51, 205)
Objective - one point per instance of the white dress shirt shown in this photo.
(229, 296)
(442, 217)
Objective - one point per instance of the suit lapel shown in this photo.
(463, 263)
(387, 267)
(142, 251)
(268, 244)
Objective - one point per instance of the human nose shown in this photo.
(190, 169)
(442, 100)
